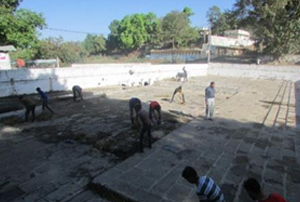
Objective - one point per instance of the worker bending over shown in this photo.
(146, 126)
(180, 91)
(45, 100)
(133, 102)
(29, 105)
(77, 91)
(155, 106)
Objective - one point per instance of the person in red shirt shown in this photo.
(155, 106)
(256, 193)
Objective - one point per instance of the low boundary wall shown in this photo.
(25, 81)
(291, 73)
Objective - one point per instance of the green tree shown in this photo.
(221, 21)
(19, 28)
(154, 30)
(94, 44)
(70, 52)
(49, 48)
(113, 38)
(188, 11)
(23, 32)
(134, 32)
(177, 30)
(276, 24)
(11, 5)
(67, 52)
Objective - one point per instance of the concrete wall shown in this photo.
(21, 81)
(254, 71)
(25, 81)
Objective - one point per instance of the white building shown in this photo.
(237, 34)
(233, 43)
(4, 57)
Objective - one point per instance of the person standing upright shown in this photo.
(185, 75)
(210, 101)
(45, 100)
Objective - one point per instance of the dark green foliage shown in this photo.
(176, 29)
(133, 32)
(19, 28)
(275, 24)
(94, 44)
(67, 52)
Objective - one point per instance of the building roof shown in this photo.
(238, 32)
(8, 48)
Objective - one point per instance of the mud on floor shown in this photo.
(100, 122)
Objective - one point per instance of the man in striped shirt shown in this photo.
(207, 189)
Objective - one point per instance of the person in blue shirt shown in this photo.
(207, 189)
(45, 100)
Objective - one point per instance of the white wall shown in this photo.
(4, 61)
(25, 81)
(21, 81)
(291, 73)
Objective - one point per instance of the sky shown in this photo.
(94, 16)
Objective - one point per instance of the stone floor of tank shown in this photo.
(87, 145)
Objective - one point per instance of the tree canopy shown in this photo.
(146, 30)
(133, 32)
(67, 52)
(19, 27)
(94, 44)
(220, 21)
(177, 30)
(275, 24)
(11, 5)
